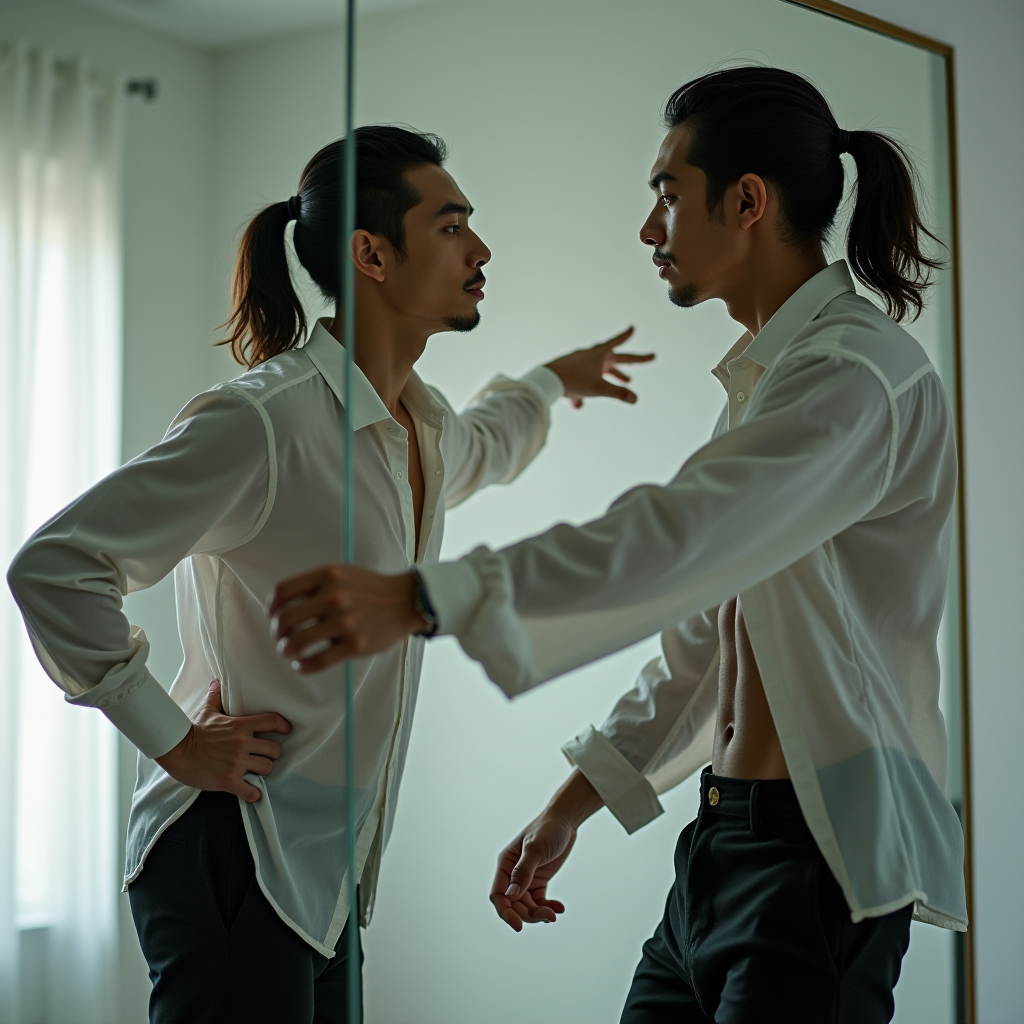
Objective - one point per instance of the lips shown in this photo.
(475, 287)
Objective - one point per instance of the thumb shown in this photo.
(213, 701)
(522, 874)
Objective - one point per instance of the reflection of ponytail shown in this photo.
(883, 245)
(267, 317)
(776, 124)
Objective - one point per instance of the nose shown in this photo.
(480, 254)
(652, 233)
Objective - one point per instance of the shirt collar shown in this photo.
(328, 356)
(790, 318)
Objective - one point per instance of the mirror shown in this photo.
(552, 112)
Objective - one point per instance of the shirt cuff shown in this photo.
(137, 704)
(627, 794)
(455, 592)
(547, 382)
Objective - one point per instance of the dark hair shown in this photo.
(266, 315)
(776, 124)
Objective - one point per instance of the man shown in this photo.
(241, 914)
(797, 565)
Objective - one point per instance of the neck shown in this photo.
(386, 349)
(765, 283)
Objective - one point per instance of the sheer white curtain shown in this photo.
(60, 414)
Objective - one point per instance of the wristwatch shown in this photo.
(423, 605)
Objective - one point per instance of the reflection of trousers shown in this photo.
(217, 951)
(756, 930)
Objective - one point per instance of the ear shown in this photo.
(370, 254)
(752, 198)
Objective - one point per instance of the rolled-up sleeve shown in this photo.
(499, 434)
(660, 731)
(206, 487)
(814, 455)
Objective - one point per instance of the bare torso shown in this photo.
(746, 743)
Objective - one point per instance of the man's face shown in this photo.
(694, 251)
(440, 280)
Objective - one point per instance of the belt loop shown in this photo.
(755, 813)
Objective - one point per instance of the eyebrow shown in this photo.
(454, 208)
(659, 178)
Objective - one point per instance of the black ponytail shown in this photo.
(776, 124)
(884, 241)
(267, 317)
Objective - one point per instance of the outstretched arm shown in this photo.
(500, 433)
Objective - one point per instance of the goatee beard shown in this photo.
(685, 297)
(462, 324)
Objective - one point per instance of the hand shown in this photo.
(526, 865)
(339, 612)
(219, 749)
(583, 372)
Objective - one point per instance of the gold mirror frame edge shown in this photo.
(944, 50)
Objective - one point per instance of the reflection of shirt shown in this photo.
(824, 499)
(245, 490)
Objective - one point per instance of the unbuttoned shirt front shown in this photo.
(824, 500)
(246, 489)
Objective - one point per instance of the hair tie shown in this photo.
(294, 207)
(844, 140)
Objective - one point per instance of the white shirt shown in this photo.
(824, 500)
(246, 489)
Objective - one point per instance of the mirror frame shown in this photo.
(965, 948)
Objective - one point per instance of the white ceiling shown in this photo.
(222, 23)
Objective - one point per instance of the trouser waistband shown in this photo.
(756, 800)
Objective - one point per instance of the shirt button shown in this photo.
(392, 430)
(400, 475)
(713, 796)
(740, 397)
(437, 472)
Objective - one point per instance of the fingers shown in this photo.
(632, 357)
(619, 339)
(311, 632)
(343, 650)
(239, 787)
(270, 721)
(257, 765)
(610, 390)
(618, 374)
(265, 748)
(311, 609)
(304, 584)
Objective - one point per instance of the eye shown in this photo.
(452, 228)
(666, 200)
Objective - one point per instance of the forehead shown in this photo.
(672, 154)
(436, 186)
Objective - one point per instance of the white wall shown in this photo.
(512, 87)
(169, 310)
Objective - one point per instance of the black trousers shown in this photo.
(756, 929)
(217, 951)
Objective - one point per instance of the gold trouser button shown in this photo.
(713, 796)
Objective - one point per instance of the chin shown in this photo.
(463, 324)
(687, 296)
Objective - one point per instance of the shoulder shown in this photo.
(854, 331)
(276, 376)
